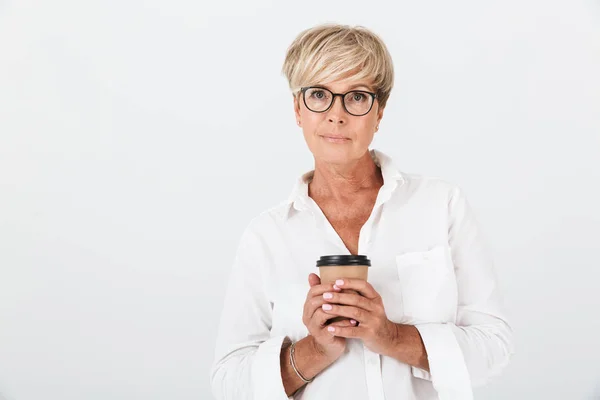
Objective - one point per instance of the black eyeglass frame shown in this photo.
(334, 95)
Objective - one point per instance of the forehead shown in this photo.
(345, 86)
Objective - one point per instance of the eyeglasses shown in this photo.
(355, 102)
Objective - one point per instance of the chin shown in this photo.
(334, 153)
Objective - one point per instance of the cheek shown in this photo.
(366, 129)
(311, 121)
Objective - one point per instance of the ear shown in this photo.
(296, 107)
(379, 115)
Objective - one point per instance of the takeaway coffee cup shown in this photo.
(334, 267)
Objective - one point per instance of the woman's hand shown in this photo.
(315, 319)
(377, 332)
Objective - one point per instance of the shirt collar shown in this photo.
(299, 198)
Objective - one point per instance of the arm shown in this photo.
(453, 356)
(246, 360)
(309, 360)
(249, 363)
(407, 347)
(480, 344)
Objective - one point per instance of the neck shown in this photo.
(342, 181)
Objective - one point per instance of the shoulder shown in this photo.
(431, 186)
(267, 222)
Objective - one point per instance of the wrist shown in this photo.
(408, 347)
(309, 359)
(395, 341)
(319, 352)
(295, 367)
(315, 347)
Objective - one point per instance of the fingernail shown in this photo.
(336, 288)
(327, 307)
(353, 322)
(339, 282)
(331, 329)
(327, 295)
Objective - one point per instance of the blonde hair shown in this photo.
(330, 52)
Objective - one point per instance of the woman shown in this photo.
(428, 323)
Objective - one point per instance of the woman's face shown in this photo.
(335, 136)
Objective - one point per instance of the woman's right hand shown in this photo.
(315, 319)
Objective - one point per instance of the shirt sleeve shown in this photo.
(246, 362)
(467, 354)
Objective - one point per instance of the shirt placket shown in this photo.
(372, 360)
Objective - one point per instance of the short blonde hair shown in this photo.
(329, 52)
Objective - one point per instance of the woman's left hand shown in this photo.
(377, 332)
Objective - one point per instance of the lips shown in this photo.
(338, 137)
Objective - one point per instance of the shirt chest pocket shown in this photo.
(427, 284)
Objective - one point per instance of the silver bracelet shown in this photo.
(293, 362)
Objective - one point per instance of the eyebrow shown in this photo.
(358, 85)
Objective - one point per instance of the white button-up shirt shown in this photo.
(429, 263)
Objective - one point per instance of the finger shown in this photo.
(320, 318)
(360, 285)
(318, 290)
(313, 304)
(314, 298)
(313, 279)
(350, 299)
(346, 331)
(343, 323)
(356, 313)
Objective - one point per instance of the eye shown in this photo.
(318, 94)
(358, 97)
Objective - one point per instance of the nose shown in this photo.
(336, 113)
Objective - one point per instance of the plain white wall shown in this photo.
(138, 139)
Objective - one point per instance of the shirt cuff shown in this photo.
(448, 371)
(266, 370)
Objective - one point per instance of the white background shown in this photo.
(138, 139)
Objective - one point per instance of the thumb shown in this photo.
(313, 279)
